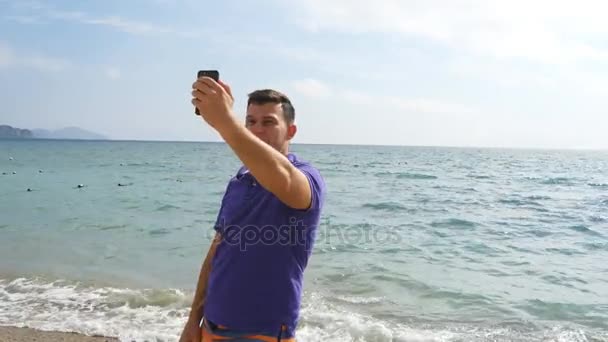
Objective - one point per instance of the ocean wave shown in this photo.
(415, 176)
(585, 230)
(558, 181)
(376, 163)
(453, 223)
(459, 300)
(595, 246)
(567, 312)
(515, 263)
(112, 227)
(565, 251)
(325, 319)
(404, 175)
(596, 218)
(523, 250)
(537, 198)
(520, 202)
(483, 249)
(479, 176)
(145, 164)
(539, 232)
(160, 231)
(329, 163)
(167, 207)
(395, 250)
(130, 315)
(360, 300)
(137, 315)
(389, 206)
(563, 280)
(598, 185)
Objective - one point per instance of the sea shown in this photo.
(415, 243)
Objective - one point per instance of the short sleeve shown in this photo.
(317, 186)
(219, 221)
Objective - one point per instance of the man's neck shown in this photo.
(285, 150)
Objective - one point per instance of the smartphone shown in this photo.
(214, 74)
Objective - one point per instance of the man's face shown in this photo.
(266, 121)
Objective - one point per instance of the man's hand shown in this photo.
(214, 101)
(192, 331)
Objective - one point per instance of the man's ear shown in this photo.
(291, 131)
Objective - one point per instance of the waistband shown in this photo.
(211, 332)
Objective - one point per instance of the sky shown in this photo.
(513, 73)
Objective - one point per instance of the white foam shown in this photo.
(361, 300)
(325, 321)
(159, 315)
(130, 315)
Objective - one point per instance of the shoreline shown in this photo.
(15, 334)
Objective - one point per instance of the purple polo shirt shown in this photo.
(257, 272)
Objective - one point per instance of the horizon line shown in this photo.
(325, 144)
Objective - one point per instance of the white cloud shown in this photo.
(23, 19)
(43, 11)
(125, 25)
(504, 74)
(6, 55)
(416, 105)
(45, 63)
(11, 58)
(113, 73)
(565, 79)
(544, 31)
(313, 88)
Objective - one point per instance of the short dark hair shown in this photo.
(264, 96)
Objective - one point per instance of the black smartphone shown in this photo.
(214, 74)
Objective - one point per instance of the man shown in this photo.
(250, 284)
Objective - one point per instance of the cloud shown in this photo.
(128, 26)
(417, 105)
(39, 11)
(544, 31)
(504, 74)
(313, 88)
(113, 73)
(564, 80)
(6, 55)
(23, 19)
(45, 63)
(10, 58)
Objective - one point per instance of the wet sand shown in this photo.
(11, 334)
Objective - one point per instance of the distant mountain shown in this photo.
(68, 133)
(64, 133)
(12, 132)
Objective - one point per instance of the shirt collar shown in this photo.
(244, 171)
